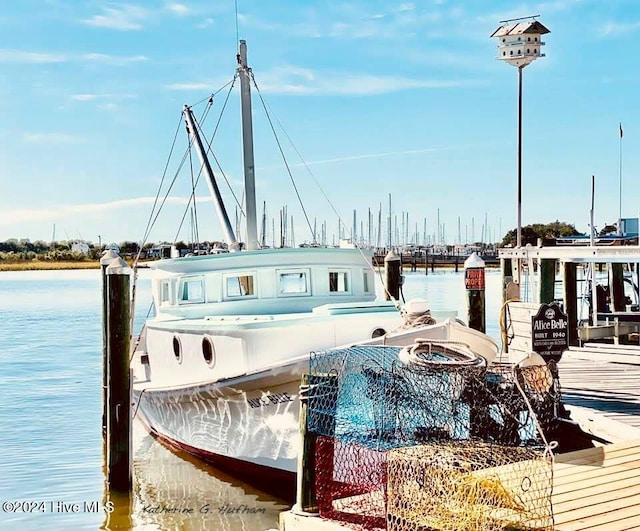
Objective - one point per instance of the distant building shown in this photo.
(80, 247)
(629, 227)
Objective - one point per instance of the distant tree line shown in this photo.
(531, 233)
(24, 249)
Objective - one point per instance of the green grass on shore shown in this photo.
(40, 265)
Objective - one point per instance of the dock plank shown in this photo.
(597, 488)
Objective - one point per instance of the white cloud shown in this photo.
(24, 57)
(178, 9)
(94, 97)
(25, 215)
(124, 18)
(85, 97)
(113, 60)
(205, 23)
(293, 80)
(51, 138)
(190, 86)
(612, 29)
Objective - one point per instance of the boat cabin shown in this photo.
(269, 281)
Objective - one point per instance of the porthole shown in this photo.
(378, 332)
(208, 351)
(177, 349)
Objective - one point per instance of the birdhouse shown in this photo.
(520, 43)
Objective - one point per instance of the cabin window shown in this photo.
(208, 351)
(240, 286)
(177, 349)
(293, 283)
(338, 281)
(191, 290)
(365, 281)
(164, 293)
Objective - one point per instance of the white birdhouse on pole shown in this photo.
(520, 41)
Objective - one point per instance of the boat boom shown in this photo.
(230, 237)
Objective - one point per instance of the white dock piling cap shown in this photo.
(473, 262)
(118, 267)
(392, 256)
(107, 257)
(417, 306)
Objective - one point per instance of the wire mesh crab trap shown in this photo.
(386, 416)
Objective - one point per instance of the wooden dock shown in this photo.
(598, 489)
(601, 387)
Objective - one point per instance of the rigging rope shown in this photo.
(293, 182)
(376, 270)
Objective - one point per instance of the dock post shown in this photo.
(456, 263)
(426, 261)
(118, 377)
(616, 281)
(107, 257)
(570, 298)
(392, 275)
(306, 478)
(547, 267)
(474, 284)
(506, 268)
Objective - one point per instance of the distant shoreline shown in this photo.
(62, 265)
(48, 265)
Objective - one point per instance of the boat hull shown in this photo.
(247, 426)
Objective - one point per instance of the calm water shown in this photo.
(51, 446)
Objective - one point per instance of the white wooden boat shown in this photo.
(217, 369)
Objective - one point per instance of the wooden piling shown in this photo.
(507, 276)
(108, 257)
(475, 285)
(426, 262)
(616, 287)
(393, 275)
(118, 376)
(306, 478)
(570, 297)
(547, 267)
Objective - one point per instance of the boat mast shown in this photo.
(247, 148)
(211, 181)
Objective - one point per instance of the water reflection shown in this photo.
(173, 490)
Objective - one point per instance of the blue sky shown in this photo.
(379, 97)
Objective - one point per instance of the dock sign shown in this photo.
(550, 331)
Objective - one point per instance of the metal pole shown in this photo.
(620, 206)
(519, 233)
